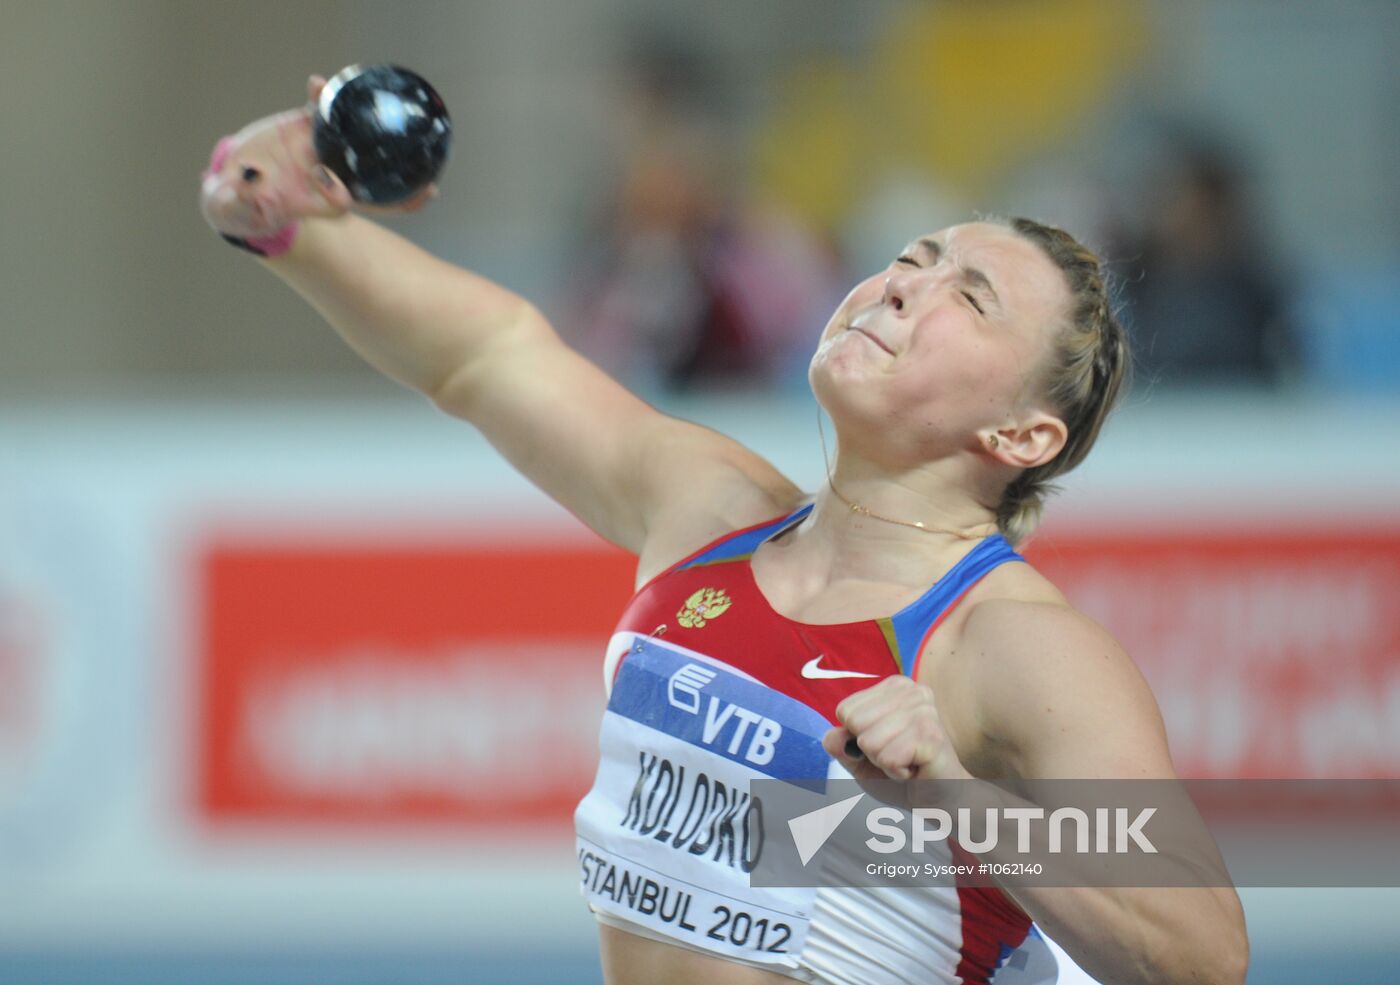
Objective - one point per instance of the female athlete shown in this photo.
(881, 628)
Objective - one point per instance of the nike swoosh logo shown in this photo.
(813, 670)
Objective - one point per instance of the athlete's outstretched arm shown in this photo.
(483, 353)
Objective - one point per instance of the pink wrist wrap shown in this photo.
(268, 246)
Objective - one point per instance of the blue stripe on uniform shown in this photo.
(745, 543)
(913, 621)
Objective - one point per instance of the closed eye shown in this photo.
(907, 260)
(973, 301)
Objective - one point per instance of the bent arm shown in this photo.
(1074, 707)
(486, 355)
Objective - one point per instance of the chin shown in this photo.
(843, 391)
(845, 363)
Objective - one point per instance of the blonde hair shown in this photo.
(1083, 381)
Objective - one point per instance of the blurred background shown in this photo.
(298, 682)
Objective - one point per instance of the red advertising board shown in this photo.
(382, 682)
(372, 682)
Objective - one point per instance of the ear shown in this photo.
(1029, 442)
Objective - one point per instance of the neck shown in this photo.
(931, 499)
(926, 502)
(837, 543)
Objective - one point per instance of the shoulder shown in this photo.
(1017, 615)
(1034, 638)
(1056, 693)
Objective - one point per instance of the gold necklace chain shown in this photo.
(866, 511)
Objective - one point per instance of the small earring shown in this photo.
(993, 441)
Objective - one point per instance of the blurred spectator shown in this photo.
(1203, 304)
(683, 282)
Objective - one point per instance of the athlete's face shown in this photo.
(948, 339)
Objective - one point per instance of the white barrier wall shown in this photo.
(316, 674)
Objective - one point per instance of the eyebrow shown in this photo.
(972, 275)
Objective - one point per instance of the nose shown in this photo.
(897, 291)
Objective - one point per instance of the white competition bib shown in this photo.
(669, 832)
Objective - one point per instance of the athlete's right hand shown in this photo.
(267, 176)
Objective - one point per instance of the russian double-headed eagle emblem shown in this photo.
(704, 605)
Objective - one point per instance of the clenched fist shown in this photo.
(896, 726)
